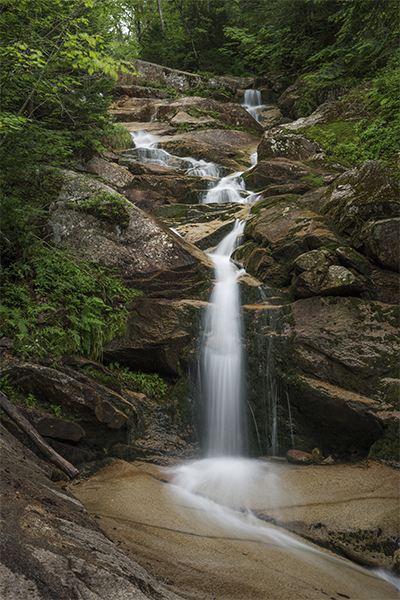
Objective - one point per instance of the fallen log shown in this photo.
(36, 438)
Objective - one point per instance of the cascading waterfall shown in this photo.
(221, 365)
(252, 102)
(146, 151)
(222, 487)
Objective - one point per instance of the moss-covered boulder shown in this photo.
(95, 222)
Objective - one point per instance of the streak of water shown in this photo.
(221, 365)
(252, 102)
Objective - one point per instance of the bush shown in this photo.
(54, 303)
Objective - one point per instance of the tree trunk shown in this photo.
(161, 17)
(36, 438)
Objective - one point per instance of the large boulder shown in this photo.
(289, 146)
(364, 205)
(158, 335)
(188, 113)
(225, 147)
(277, 232)
(123, 238)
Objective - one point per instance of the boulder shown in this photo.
(203, 225)
(277, 232)
(143, 252)
(316, 274)
(280, 172)
(192, 112)
(299, 457)
(217, 145)
(288, 146)
(60, 429)
(381, 240)
(158, 334)
(364, 204)
(80, 399)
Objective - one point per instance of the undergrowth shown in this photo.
(54, 303)
(150, 384)
(15, 395)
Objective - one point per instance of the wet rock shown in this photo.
(337, 347)
(194, 112)
(229, 148)
(204, 224)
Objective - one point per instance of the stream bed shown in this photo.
(208, 549)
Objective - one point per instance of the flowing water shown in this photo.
(223, 486)
(221, 380)
(252, 102)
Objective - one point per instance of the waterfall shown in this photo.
(252, 102)
(146, 151)
(221, 364)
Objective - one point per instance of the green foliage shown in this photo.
(150, 384)
(117, 138)
(387, 447)
(374, 137)
(106, 207)
(54, 303)
(55, 81)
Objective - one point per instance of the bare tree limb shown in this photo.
(36, 438)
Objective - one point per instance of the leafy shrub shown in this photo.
(150, 384)
(55, 303)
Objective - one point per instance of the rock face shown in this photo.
(51, 548)
(142, 251)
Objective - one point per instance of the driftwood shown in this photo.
(36, 438)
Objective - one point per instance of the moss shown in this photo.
(387, 447)
(118, 138)
(107, 207)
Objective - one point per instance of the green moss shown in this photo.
(118, 138)
(107, 207)
(387, 447)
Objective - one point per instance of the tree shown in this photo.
(55, 73)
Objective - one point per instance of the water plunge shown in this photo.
(221, 380)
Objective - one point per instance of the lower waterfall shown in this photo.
(224, 487)
(221, 379)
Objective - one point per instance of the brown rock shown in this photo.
(299, 457)
(382, 242)
(60, 429)
(113, 173)
(276, 172)
(288, 146)
(158, 331)
(366, 192)
(223, 146)
(144, 253)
